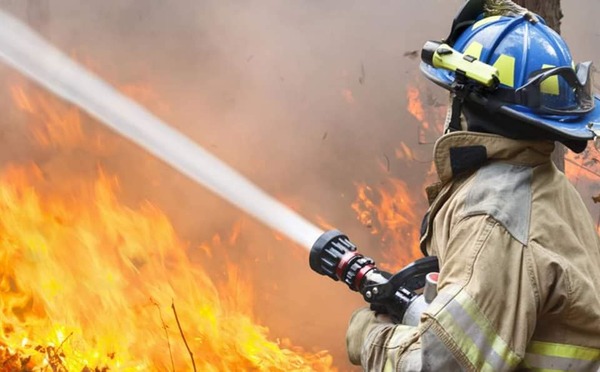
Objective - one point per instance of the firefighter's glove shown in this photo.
(362, 322)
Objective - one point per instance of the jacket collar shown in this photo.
(472, 150)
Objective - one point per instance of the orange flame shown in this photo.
(583, 170)
(404, 152)
(584, 167)
(431, 115)
(59, 128)
(89, 283)
(415, 106)
(390, 213)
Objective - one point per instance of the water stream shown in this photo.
(27, 52)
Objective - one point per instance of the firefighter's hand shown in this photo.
(361, 323)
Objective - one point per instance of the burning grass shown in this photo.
(89, 283)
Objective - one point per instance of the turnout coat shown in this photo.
(519, 284)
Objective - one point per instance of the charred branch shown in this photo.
(183, 336)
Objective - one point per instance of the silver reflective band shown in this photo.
(474, 336)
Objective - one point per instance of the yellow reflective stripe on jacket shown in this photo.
(475, 336)
(389, 366)
(551, 357)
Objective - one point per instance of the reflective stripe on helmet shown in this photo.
(475, 336)
(550, 85)
(505, 65)
(474, 50)
(485, 21)
(547, 356)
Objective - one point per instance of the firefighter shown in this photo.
(519, 283)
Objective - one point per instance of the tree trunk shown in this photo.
(552, 13)
(550, 10)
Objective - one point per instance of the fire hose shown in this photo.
(404, 295)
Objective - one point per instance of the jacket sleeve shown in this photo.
(481, 320)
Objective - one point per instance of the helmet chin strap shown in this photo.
(453, 119)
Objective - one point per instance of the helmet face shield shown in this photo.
(559, 90)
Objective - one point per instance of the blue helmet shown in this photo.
(538, 81)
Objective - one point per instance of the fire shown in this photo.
(390, 213)
(415, 106)
(430, 114)
(59, 128)
(89, 283)
(404, 152)
(584, 167)
(583, 170)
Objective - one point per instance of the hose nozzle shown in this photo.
(335, 256)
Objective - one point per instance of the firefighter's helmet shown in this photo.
(537, 80)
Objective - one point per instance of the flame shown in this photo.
(584, 167)
(60, 128)
(404, 152)
(415, 106)
(89, 283)
(390, 212)
(431, 115)
(583, 170)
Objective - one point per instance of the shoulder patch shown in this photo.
(503, 191)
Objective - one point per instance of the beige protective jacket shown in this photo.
(519, 254)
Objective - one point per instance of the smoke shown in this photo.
(303, 97)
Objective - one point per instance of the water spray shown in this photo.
(27, 52)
